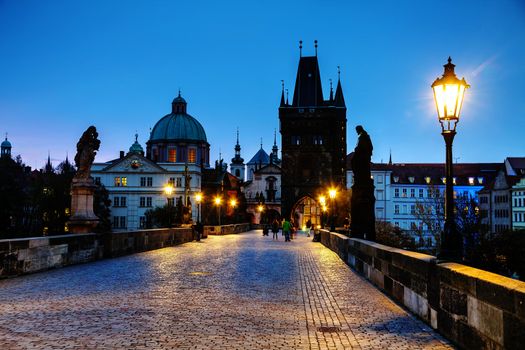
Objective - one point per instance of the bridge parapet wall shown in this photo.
(473, 308)
(226, 229)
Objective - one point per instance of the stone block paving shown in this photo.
(241, 291)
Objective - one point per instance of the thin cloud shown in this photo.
(479, 69)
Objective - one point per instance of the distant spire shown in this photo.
(315, 45)
(331, 91)
(287, 97)
(282, 93)
(275, 137)
(300, 48)
(179, 92)
(237, 135)
(390, 159)
(136, 137)
(261, 142)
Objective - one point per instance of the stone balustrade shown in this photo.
(474, 308)
(28, 255)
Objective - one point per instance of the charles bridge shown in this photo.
(236, 289)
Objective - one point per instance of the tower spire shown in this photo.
(287, 97)
(331, 91)
(390, 158)
(300, 48)
(282, 93)
(315, 45)
(339, 98)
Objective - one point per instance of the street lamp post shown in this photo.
(332, 193)
(198, 199)
(218, 201)
(168, 190)
(448, 95)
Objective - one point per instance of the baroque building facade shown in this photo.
(177, 153)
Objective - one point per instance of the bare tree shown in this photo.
(430, 212)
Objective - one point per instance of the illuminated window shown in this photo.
(411, 179)
(117, 181)
(124, 181)
(172, 155)
(192, 155)
(454, 180)
(396, 179)
(471, 181)
(444, 179)
(296, 140)
(480, 180)
(404, 192)
(427, 179)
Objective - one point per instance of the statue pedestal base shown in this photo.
(82, 219)
(362, 211)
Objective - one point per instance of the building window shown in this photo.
(413, 209)
(172, 181)
(142, 221)
(149, 181)
(122, 201)
(296, 140)
(124, 181)
(420, 193)
(396, 210)
(172, 155)
(379, 179)
(97, 180)
(116, 201)
(318, 140)
(471, 181)
(148, 201)
(396, 192)
(480, 180)
(179, 182)
(142, 202)
(146, 181)
(119, 222)
(117, 182)
(427, 179)
(192, 155)
(412, 192)
(404, 192)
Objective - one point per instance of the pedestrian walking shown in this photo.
(287, 226)
(275, 229)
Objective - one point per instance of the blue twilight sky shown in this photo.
(65, 65)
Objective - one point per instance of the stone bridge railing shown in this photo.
(475, 309)
(27, 255)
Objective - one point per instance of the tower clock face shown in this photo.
(135, 164)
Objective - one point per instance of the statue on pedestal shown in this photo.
(83, 219)
(363, 201)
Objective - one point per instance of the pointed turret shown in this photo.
(282, 95)
(339, 98)
(275, 150)
(331, 92)
(390, 158)
(48, 167)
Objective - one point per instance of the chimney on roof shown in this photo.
(121, 154)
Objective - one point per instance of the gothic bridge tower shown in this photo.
(313, 138)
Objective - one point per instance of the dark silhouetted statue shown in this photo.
(83, 218)
(363, 201)
(87, 148)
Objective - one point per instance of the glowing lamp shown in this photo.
(448, 94)
(168, 189)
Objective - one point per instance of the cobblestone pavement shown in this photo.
(231, 292)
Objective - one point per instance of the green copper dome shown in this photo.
(136, 147)
(6, 143)
(178, 125)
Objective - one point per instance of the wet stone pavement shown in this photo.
(241, 291)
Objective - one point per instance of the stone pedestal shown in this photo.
(82, 219)
(362, 212)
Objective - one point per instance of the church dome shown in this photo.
(6, 144)
(178, 125)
